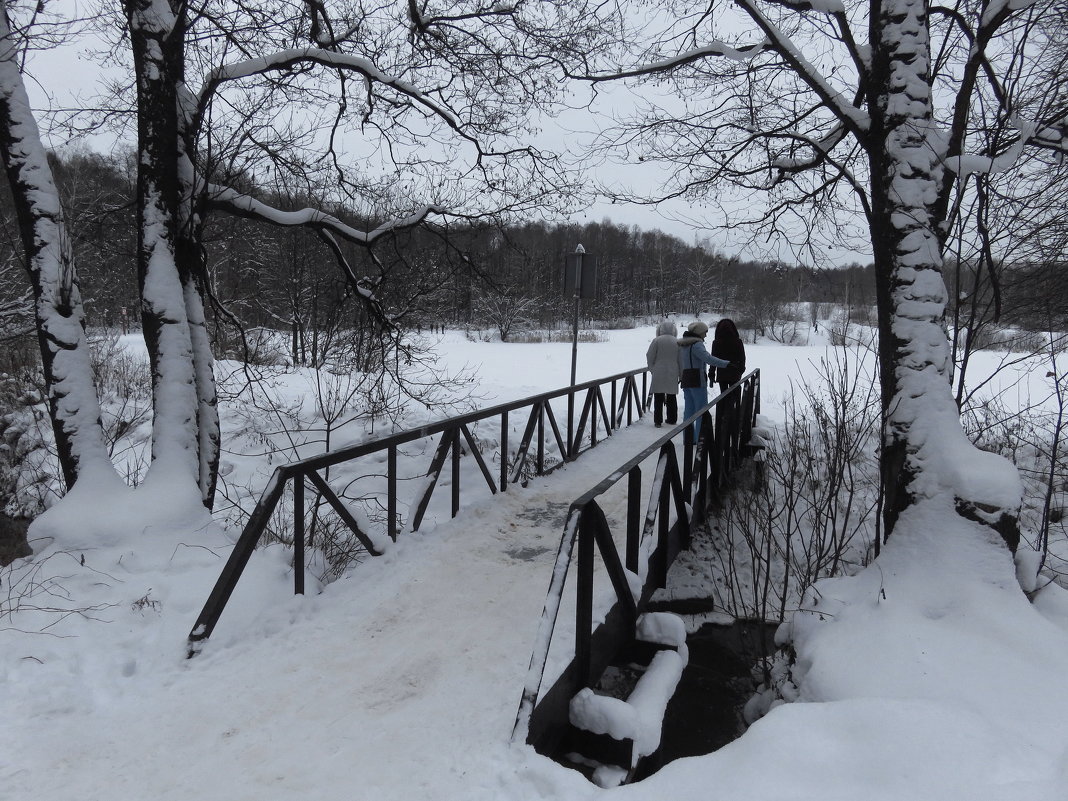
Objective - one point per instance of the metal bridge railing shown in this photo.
(595, 421)
(685, 491)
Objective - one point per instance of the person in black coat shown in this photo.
(727, 344)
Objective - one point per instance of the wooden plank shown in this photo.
(343, 513)
(524, 444)
(435, 469)
(478, 458)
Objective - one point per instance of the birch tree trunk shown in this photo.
(191, 254)
(73, 404)
(155, 34)
(192, 270)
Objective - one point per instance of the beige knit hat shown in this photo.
(698, 329)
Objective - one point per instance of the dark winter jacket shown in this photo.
(727, 344)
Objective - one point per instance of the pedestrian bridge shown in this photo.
(596, 504)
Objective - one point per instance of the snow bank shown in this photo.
(926, 676)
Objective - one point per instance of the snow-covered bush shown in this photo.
(28, 476)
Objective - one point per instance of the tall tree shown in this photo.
(405, 113)
(874, 108)
(53, 275)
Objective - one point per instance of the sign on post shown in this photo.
(580, 275)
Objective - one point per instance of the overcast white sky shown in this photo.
(67, 75)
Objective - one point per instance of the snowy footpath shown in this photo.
(399, 681)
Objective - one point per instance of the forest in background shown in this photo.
(285, 279)
(503, 278)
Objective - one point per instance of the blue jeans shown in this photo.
(695, 398)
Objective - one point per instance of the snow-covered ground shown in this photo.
(928, 675)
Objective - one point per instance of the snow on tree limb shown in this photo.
(231, 200)
(972, 164)
(742, 53)
(831, 7)
(285, 60)
(855, 118)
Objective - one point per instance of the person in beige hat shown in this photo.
(693, 356)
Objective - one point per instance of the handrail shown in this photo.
(624, 401)
(721, 446)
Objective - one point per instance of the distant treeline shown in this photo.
(286, 279)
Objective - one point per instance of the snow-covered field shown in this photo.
(928, 675)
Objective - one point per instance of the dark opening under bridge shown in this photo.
(652, 513)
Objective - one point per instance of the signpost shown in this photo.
(580, 280)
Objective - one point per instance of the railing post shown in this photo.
(571, 423)
(596, 397)
(630, 402)
(712, 455)
(541, 438)
(504, 451)
(456, 471)
(687, 459)
(391, 491)
(612, 423)
(634, 511)
(663, 527)
(584, 598)
(298, 534)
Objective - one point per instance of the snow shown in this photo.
(285, 59)
(250, 206)
(927, 675)
(640, 718)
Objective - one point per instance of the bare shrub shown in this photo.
(1032, 436)
(812, 515)
(342, 404)
(991, 337)
(262, 347)
(787, 331)
(124, 391)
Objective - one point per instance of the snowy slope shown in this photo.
(927, 676)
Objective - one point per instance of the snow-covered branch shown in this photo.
(286, 60)
(226, 199)
(829, 7)
(854, 118)
(820, 148)
(966, 164)
(742, 53)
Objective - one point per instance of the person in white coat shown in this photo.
(663, 360)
